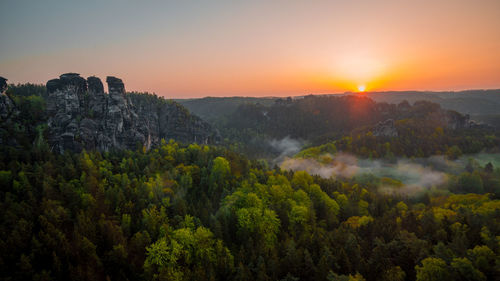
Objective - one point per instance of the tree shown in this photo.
(290, 277)
(483, 258)
(488, 168)
(432, 269)
(462, 269)
(188, 252)
(219, 178)
(336, 277)
(469, 183)
(162, 259)
(394, 273)
(453, 152)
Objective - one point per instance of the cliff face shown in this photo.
(7, 107)
(8, 112)
(428, 114)
(385, 129)
(82, 116)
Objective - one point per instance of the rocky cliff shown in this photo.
(82, 116)
(8, 112)
(385, 129)
(428, 114)
(7, 107)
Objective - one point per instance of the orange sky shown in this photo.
(256, 48)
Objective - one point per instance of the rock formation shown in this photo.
(3, 84)
(6, 105)
(385, 129)
(455, 120)
(8, 112)
(82, 116)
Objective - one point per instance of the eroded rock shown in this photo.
(7, 106)
(83, 116)
(385, 129)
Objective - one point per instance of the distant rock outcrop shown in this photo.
(3, 84)
(8, 112)
(7, 107)
(428, 114)
(385, 129)
(455, 120)
(82, 116)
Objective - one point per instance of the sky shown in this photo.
(185, 49)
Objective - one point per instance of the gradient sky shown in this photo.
(255, 48)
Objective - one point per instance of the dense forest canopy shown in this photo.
(199, 212)
(204, 212)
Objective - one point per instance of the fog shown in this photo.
(285, 147)
(408, 175)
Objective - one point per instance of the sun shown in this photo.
(361, 88)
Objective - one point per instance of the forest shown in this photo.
(350, 123)
(183, 211)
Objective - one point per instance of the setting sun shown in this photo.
(361, 88)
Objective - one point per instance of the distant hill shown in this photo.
(263, 130)
(316, 116)
(473, 102)
(213, 108)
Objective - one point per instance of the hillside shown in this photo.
(213, 109)
(473, 102)
(315, 120)
(205, 213)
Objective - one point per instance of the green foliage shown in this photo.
(191, 212)
(186, 253)
(26, 90)
(432, 269)
(394, 273)
(316, 151)
(336, 277)
(464, 270)
(453, 152)
(469, 183)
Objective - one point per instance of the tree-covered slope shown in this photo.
(204, 213)
(419, 129)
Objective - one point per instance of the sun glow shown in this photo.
(361, 88)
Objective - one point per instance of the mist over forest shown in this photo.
(403, 176)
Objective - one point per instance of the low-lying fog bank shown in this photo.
(402, 175)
